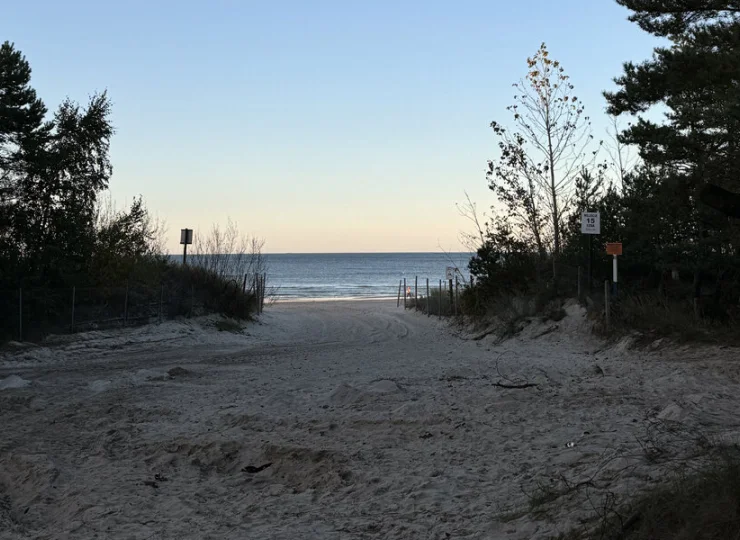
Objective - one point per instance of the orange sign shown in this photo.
(614, 248)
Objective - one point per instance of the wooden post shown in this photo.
(244, 287)
(161, 301)
(264, 291)
(416, 293)
(20, 314)
(125, 307)
(398, 301)
(452, 297)
(457, 298)
(607, 309)
(74, 291)
(441, 296)
(579, 283)
(404, 293)
(428, 312)
(257, 292)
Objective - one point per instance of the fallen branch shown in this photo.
(515, 386)
(484, 334)
(548, 331)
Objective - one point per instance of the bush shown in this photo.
(703, 506)
(228, 325)
(439, 303)
(191, 286)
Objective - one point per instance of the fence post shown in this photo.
(264, 292)
(398, 301)
(244, 287)
(452, 297)
(457, 291)
(161, 301)
(74, 291)
(579, 283)
(125, 307)
(607, 308)
(404, 293)
(20, 314)
(416, 293)
(257, 291)
(429, 314)
(441, 297)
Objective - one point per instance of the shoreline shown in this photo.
(325, 299)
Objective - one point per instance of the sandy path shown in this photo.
(377, 423)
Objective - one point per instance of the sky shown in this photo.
(320, 126)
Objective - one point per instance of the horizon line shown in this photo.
(352, 253)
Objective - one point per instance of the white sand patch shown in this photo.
(345, 420)
(14, 381)
(99, 386)
(84, 346)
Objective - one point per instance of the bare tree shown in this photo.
(228, 253)
(469, 210)
(623, 159)
(539, 162)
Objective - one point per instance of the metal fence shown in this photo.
(30, 314)
(440, 297)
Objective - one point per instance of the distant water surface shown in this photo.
(357, 275)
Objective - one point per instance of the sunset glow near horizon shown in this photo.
(322, 127)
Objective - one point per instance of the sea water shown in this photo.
(357, 275)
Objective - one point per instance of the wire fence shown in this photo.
(440, 297)
(459, 296)
(30, 314)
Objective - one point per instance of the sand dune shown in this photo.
(341, 420)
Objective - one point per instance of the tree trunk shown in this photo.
(553, 193)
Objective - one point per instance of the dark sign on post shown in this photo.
(186, 238)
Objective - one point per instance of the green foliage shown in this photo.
(505, 263)
(51, 172)
(56, 234)
(675, 246)
(539, 160)
(696, 78)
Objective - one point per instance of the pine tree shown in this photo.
(51, 172)
(697, 79)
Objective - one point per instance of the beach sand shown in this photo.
(375, 423)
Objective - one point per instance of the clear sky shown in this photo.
(324, 125)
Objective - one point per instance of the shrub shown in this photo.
(701, 506)
(439, 302)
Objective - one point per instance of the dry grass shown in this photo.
(229, 325)
(656, 316)
(703, 505)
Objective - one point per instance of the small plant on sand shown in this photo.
(228, 325)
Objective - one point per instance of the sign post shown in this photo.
(615, 250)
(186, 238)
(590, 225)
